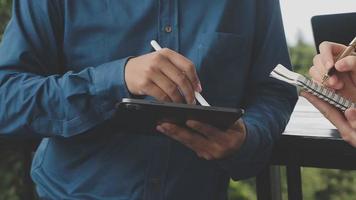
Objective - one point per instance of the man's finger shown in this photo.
(193, 141)
(156, 92)
(315, 74)
(181, 80)
(332, 82)
(347, 64)
(239, 126)
(168, 87)
(327, 52)
(207, 130)
(319, 64)
(185, 65)
(326, 55)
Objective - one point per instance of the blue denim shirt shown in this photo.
(62, 72)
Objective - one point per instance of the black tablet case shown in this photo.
(144, 116)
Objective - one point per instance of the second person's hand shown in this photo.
(165, 75)
(344, 81)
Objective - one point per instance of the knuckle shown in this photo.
(166, 51)
(190, 66)
(311, 71)
(181, 78)
(149, 71)
(172, 90)
(156, 58)
(144, 84)
(323, 44)
(316, 59)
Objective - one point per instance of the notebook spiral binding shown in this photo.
(282, 73)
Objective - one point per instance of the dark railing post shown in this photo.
(29, 188)
(294, 181)
(268, 184)
(276, 188)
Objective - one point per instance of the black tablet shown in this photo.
(340, 28)
(143, 115)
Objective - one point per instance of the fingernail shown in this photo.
(199, 88)
(160, 129)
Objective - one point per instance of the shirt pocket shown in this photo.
(223, 60)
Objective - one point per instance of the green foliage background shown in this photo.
(11, 164)
(320, 184)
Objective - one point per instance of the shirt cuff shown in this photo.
(109, 79)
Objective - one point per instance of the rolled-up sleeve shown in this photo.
(38, 96)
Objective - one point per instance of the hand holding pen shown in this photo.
(350, 50)
(198, 96)
(165, 75)
(343, 82)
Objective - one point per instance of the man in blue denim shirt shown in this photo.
(64, 64)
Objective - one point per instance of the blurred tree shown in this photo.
(242, 190)
(302, 55)
(5, 12)
(11, 164)
(340, 185)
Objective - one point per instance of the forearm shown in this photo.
(59, 105)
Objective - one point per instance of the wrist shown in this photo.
(131, 95)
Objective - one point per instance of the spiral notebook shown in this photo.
(304, 83)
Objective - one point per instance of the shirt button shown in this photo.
(168, 29)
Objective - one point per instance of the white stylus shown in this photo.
(198, 96)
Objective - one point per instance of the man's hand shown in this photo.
(165, 75)
(206, 141)
(344, 122)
